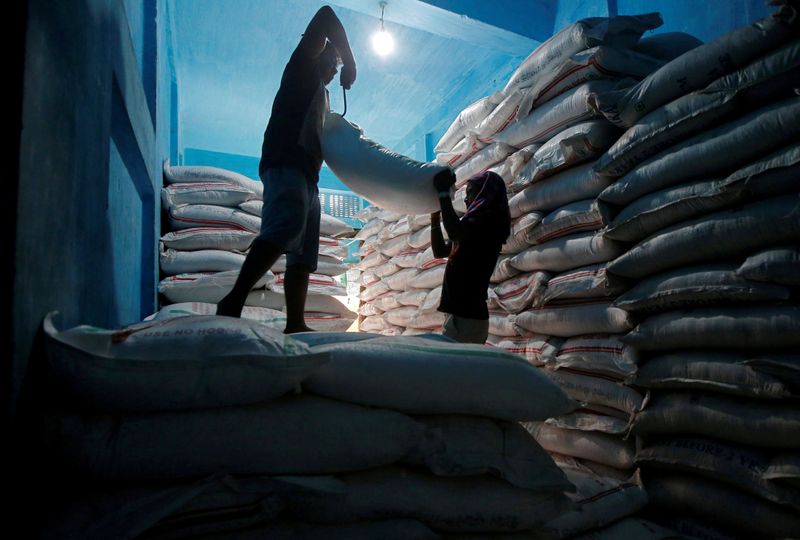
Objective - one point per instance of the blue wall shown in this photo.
(706, 20)
(89, 171)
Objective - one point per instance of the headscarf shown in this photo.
(490, 206)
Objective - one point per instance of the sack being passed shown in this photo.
(383, 177)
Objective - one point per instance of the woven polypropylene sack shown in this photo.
(697, 286)
(712, 153)
(583, 142)
(379, 175)
(295, 435)
(700, 66)
(779, 265)
(446, 377)
(205, 287)
(178, 363)
(724, 372)
(766, 80)
(204, 174)
(621, 31)
(475, 504)
(773, 175)
(734, 510)
(566, 252)
(600, 447)
(721, 235)
(574, 184)
(759, 423)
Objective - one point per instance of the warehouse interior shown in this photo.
(112, 93)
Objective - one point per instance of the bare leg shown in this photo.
(261, 257)
(295, 288)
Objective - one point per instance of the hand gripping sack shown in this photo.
(376, 173)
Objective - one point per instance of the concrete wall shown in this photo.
(87, 212)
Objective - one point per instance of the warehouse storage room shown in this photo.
(404, 269)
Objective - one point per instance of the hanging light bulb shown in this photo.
(382, 41)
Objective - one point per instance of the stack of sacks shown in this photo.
(705, 193)
(550, 300)
(192, 426)
(214, 215)
(401, 278)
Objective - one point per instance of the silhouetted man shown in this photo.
(290, 163)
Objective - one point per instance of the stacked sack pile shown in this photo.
(214, 215)
(549, 300)
(704, 194)
(220, 427)
(401, 279)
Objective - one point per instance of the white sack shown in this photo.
(595, 388)
(779, 265)
(466, 120)
(620, 31)
(585, 215)
(768, 79)
(379, 175)
(535, 349)
(585, 282)
(205, 287)
(760, 423)
(742, 514)
(205, 260)
(295, 435)
(208, 238)
(558, 114)
(519, 292)
(575, 317)
(724, 372)
(195, 174)
(600, 447)
(188, 216)
(603, 354)
(774, 174)
(720, 235)
(217, 193)
(699, 66)
(574, 184)
(428, 279)
(697, 286)
(446, 378)
(178, 363)
(713, 152)
(583, 142)
(575, 250)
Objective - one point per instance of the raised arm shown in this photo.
(326, 25)
(443, 181)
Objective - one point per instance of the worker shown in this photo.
(290, 163)
(472, 250)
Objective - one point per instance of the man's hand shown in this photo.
(444, 180)
(347, 76)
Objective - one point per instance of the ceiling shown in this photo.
(229, 56)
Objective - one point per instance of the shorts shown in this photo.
(290, 215)
(466, 330)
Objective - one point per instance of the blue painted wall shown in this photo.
(87, 222)
(706, 20)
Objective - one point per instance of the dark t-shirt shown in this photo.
(286, 140)
(469, 268)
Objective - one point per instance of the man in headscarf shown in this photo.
(472, 251)
(291, 159)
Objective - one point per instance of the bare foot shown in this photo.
(298, 329)
(229, 308)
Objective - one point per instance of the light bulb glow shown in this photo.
(382, 42)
